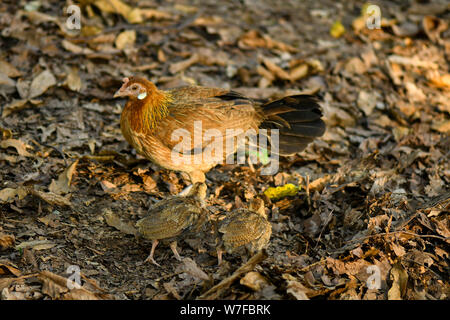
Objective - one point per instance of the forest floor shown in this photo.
(370, 219)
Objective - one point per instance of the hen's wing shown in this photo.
(210, 109)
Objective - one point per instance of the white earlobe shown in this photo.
(142, 95)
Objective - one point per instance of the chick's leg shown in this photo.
(173, 246)
(219, 256)
(152, 252)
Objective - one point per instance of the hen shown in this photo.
(153, 122)
(174, 218)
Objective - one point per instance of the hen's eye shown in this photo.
(134, 87)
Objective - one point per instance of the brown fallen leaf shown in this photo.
(400, 278)
(108, 187)
(253, 39)
(14, 106)
(56, 288)
(171, 289)
(203, 56)
(62, 185)
(440, 81)
(254, 280)
(114, 221)
(6, 241)
(8, 194)
(35, 245)
(69, 46)
(132, 15)
(41, 83)
(50, 197)
(9, 270)
(7, 85)
(441, 126)
(125, 39)
(295, 288)
(299, 72)
(9, 69)
(20, 146)
(73, 80)
(276, 70)
(433, 28)
(190, 267)
(148, 13)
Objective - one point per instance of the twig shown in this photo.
(215, 291)
(400, 231)
(323, 228)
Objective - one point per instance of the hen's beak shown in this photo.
(119, 93)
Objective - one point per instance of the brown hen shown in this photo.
(153, 122)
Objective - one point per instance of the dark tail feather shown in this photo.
(298, 119)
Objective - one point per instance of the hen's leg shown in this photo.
(195, 176)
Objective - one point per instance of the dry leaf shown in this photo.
(73, 80)
(254, 280)
(297, 290)
(7, 194)
(62, 185)
(190, 267)
(398, 249)
(36, 245)
(6, 241)
(433, 27)
(438, 80)
(8, 69)
(299, 72)
(253, 39)
(132, 15)
(367, 101)
(15, 105)
(50, 197)
(413, 61)
(108, 187)
(20, 146)
(441, 126)
(56, 287)
(41, 83)
(114, 221)
(7, 85)
(276, 70)
(155, 14)
(69, 46)
(9, 270)
(400, 278)
(125, 39)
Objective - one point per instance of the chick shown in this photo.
(174, 218)
(247, 228)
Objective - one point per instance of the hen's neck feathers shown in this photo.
(143, 115)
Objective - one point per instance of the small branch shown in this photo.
(215, 291)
